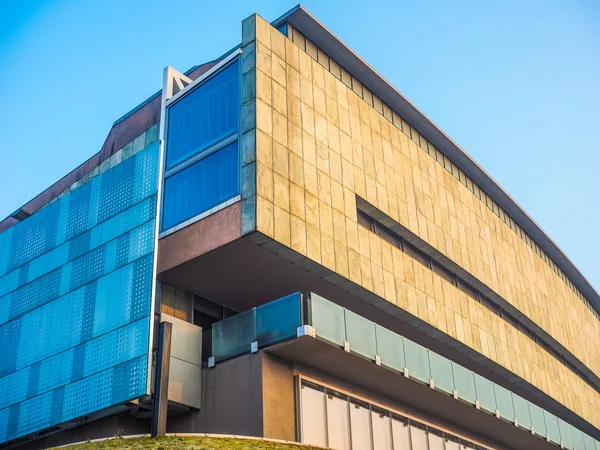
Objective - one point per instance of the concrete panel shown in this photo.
(199, 238)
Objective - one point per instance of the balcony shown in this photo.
(315, 332)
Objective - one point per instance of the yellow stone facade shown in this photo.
(318, 145)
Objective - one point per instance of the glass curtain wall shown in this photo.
(202, 152)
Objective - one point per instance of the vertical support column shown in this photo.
(161, 384)
(248, 125)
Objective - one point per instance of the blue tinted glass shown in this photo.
(201, 186)
(75, 288)
(204, 116)
(278, 320)
(234, 336)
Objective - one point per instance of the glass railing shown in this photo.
(279, 321)
(266, 325)
(358, 335)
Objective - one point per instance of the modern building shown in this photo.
(279, 244)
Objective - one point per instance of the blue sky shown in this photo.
(516, 84)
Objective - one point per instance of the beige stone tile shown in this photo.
(306, 91)
(339, 227)
(313, 243)
(278, 70)
(280, 134)
(264, 181)
(309, 149)
(280, 99)
(337, 196)
(291, 54)
(282, 226)
(320, 128)
(327, 252)
(281, 191)
(264, 117)
(308, 119)
(354, 266)
(294, 109)
(280, 159)
(264, 216)
(296, 169)
(297, 202)
(298, 235)
(263, 59)
(311, 183)
(263, 31)
(319, 101)
(263, 87)
(324, 187)
(341, 258)
(278, 46)
(294, 139)
(264, 149)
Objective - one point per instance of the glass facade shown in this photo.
(75, 293)
(202, 152)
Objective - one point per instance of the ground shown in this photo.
(194, 443)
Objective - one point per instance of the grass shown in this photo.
(180, 442)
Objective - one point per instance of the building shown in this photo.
(307, 257)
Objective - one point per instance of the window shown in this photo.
(204, 116)
(202, 155)
(365, 220)
(467, 288)
(201, 186)
(415, 253)
(443, 272)
(387, 234)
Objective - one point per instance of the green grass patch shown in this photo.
(180, 442)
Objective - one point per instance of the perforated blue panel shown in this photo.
(75, 291)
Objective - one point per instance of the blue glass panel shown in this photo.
(201, 186)
(360, 333)
(278, 320)
(327, 318)
(390, 348)
(417, 361)
(464, 383)
(204, 116)
(75, 290)
(233, 336)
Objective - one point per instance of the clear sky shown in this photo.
(515, 83)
